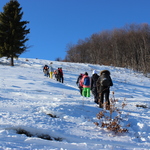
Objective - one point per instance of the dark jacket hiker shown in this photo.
(103, 87)
(60, 77)
(46, 70)
(94, 79)
(79, 83)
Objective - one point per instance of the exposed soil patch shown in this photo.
(143, 106)
(42, 136)
(53, 116)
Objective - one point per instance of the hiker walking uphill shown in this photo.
(103, 87)
(86, 85)
(59, 75)
(79, 83)
(51, 70)
(61, 78)
(46, 70)
(56, 72)
(94, 79)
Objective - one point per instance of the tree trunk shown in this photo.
(11, 61)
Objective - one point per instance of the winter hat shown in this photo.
(86, 73)
(94, 72)
(105, 72)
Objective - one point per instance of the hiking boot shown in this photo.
(96, 102)
(108, 107)
(100, 106)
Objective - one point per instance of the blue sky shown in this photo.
(56, 23)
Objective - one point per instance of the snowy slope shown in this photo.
(42, 107)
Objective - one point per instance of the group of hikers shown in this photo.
(50, 72)
(99, 85)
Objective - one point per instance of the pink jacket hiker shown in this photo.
(82, 81)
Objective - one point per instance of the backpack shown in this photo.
(57, 71)
(80, 80)
(86, 81)
(45, 68)
(60, 72)
(105, 80)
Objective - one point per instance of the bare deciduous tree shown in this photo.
(126, 47)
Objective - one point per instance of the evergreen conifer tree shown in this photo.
(13, 31)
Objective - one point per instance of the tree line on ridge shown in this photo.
(125, 47)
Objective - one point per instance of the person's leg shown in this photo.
(62, 79)
(87, 92)
(51, 75)
(47, 73)
(107, 99)
(59, 79)
(94, 94)
(96, 97)
(80, 90)
(101, 100)
(84, 92)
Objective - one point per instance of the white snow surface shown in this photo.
(27, 98)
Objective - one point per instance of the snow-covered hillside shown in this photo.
(38, 106)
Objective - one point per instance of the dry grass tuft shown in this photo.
(111, 122)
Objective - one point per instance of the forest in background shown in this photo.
(127, 47)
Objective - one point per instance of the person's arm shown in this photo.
(111, 83)
(98, 84)
(77, 80)
(91, 83)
